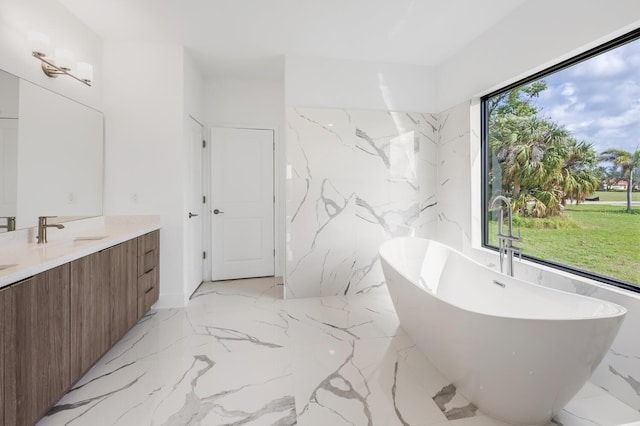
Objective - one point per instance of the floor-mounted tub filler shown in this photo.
(517, 350)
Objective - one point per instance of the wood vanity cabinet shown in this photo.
(122, 280)
(55, 325)
(36, 345)
(148, 271)
(104, 300)
(90, 312)
(4, 303)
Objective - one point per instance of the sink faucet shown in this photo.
(506, 240)
(11, 223)
(42, 228)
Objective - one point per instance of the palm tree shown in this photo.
(578, 176)
(531, 151)
(627, 163)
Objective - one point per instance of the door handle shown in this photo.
(216, 211)
(192, 215)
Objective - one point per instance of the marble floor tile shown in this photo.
(237, 295)
(238, 354)
(207, 389)
(366, 382)
(601, 410)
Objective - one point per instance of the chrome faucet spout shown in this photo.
(506, 239)
(42, 228)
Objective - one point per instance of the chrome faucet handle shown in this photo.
(42, 228)
(518, 251)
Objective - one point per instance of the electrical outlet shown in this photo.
(134, 197)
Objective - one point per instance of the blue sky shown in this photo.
(598, 100)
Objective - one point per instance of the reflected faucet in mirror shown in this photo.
(42, 228)
(11, 223)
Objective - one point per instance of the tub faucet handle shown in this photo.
(518, 251)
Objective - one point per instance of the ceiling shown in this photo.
(249, 38)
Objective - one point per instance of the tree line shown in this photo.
(538, 164)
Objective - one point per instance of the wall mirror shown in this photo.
(51, 155)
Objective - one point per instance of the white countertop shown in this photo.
(78, 239)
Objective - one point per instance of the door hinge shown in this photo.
(204, 199)
(274, 199)
(274, 145)
(204, 143)
(204, 254)
(274, 252)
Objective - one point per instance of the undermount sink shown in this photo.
(71, 243)
(3, 267)
(90, 238)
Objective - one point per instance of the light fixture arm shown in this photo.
(52, 70)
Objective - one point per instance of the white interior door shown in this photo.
(242, 203)
(194, 243)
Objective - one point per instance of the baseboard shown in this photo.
(167, 301)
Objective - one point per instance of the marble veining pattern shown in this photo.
(356, 178)
(239, 354)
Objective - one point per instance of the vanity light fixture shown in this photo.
(61, 63)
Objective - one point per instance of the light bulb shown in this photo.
(85, 71)
(38, 43)
(63, 58)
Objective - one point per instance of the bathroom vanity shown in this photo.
(83, 292)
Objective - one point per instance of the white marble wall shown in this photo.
(355, 178)
(459, 226)
(454, 178)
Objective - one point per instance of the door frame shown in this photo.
(279, 178)
(203, 152)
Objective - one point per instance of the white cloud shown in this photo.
(598, 100)
(629, 117)
(608, 64)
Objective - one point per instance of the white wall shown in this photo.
(17, 17)
(536, 35)
(335, 83)
(237, 102)
(9, 101)
(144, 149)
(356, 178)
(384, 101)
(253, 103)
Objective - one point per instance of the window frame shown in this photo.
(485, 152)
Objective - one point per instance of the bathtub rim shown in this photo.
(620, 311)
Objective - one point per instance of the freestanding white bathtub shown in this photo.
(517, 350)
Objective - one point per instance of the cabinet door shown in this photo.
(122, 275)
(37, 351)
(90, 313)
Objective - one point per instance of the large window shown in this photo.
(564, 147)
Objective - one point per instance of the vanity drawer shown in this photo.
(148, 281)
(148, 271)
(148, 242)
(147, 261)
(148, 291)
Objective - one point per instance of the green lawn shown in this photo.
(615, 195)
(606, 240)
